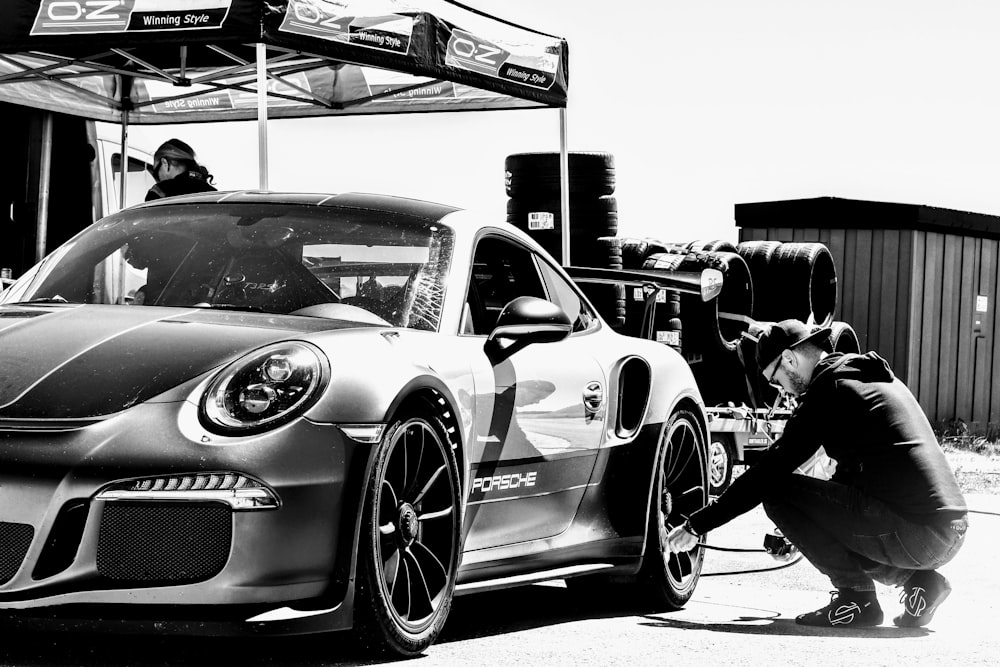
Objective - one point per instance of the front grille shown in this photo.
(163, 543)
(15, 538)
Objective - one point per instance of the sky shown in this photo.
(703, 105)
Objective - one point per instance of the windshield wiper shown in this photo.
(231, 306)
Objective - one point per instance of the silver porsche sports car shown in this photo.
(267, 413)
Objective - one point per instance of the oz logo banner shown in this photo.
(466, 51)
(333, 22)
(79, 17)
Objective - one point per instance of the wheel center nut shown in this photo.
(409, 524)
(666, 504)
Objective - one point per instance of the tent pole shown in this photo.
(44, 181)
(564, 183)
(123, 181)
(125, 88)
(262, 114)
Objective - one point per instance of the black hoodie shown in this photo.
(872, 426)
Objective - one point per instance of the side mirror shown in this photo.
(527, 320)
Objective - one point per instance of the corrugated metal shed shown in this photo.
(919, 284)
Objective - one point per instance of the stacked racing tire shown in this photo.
(532, 181)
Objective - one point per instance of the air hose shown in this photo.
(775, 544)
(984, 512)
(712, 547)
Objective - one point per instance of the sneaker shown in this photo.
(921, 596)
(846, 609)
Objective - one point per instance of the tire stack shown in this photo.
(791, 280)
(534, 205)
(708, 328)
(532, 181)
(710, 246)
(763, 281)
(713, 330)
(659, 321)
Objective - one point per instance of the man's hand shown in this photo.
(680, 540)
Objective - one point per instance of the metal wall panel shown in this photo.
(965, 386)
(951, 297)
(915, 311)
(986, 401)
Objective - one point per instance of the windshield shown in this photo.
(269, 258)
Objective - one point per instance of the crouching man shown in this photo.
(892, 512)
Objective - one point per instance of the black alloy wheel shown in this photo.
(410, 543)
(680, 488)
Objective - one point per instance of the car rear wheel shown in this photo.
(721, 455)
(410, 542)
(680, 488)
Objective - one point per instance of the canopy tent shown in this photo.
(181, 61)
(195, 60)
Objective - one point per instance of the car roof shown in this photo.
(352, 200)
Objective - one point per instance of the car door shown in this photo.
(533, 458)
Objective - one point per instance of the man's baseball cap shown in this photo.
(785, 335)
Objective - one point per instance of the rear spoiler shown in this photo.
(706, 283)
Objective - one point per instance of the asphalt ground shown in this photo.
(742, 613)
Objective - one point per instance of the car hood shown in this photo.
(77, 361)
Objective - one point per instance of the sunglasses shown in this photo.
(774, 373)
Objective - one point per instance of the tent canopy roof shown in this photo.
(175, 61)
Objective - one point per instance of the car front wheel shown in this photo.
(409, 548)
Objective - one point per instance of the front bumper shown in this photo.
(65, 548)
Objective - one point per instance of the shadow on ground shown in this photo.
(472, 616)
(492, 614)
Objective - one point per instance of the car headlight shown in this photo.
(265, 388)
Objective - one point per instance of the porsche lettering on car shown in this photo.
(284, 413)
(502, 482)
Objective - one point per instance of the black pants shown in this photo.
(855, 539)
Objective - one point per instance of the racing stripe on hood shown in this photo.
(36, 341)
(106, 359)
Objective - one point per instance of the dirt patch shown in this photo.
(976, 472)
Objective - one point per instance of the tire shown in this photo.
(757, 255)
(844, 339)
(636, 251)
(581, 205)
(705, 332)
(593, 223)
(667, 581)
(665, 317)
(723, 379)
(809, 279)
(602, 253)
(609, 300)
(761, 394)
(589, 217)
(537, 174)
(410, 542)
(721, 458)
(711, 246)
